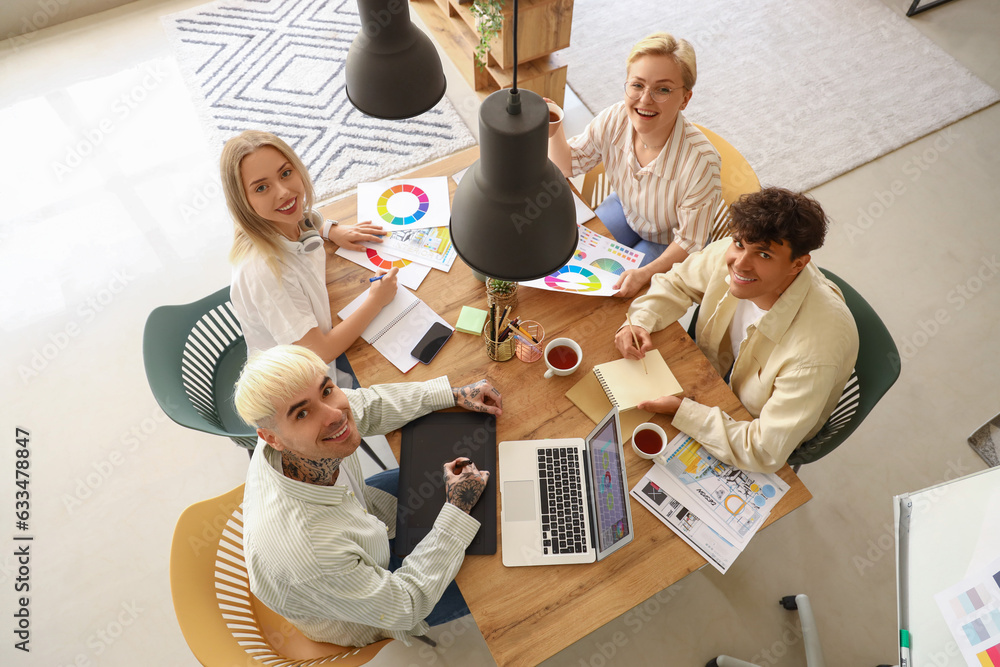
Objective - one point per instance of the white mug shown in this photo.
(660, 433)
(565, 342)
(554, 124)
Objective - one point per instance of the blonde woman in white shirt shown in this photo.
(664, 172)
(279, 264)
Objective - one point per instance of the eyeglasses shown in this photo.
(634, 91)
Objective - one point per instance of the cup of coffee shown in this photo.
(562, 356)
(555, 118)
(649, 440)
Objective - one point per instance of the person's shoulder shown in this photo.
(698, 142)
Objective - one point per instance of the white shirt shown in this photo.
(674, 197)
(747, 313)
(279, 311)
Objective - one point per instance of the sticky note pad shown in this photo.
(471, 320)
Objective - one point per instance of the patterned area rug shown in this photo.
(278, 65)
(986, 441)
(804, 90)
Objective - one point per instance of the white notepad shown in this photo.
(627, 384)
(398, 327)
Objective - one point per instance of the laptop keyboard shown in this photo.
(563, 509)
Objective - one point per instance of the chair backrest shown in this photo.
(193, 354)
(737, 176)
(222, 622)
(875, 371)
(595, 187)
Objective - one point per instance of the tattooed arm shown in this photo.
(479, 397)
(464, 483)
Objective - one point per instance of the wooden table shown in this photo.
(530, 613)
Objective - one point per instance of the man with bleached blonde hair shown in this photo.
(316, 534)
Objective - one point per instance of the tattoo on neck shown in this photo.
(323, 472)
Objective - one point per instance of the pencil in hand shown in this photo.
(635, 340)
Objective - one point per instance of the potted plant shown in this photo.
(489, 22)
(501, 292)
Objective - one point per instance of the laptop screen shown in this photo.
(610, 501)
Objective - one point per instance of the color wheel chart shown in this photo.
(413, 203)
(609, 265)
(402, 204)
(573, 278)
(383, 263)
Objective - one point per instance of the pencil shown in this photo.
(636, 341)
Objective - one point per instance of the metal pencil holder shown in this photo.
(498, 350)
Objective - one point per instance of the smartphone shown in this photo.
(431, 343)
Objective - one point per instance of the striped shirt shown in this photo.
(674, 197)
(317, 555)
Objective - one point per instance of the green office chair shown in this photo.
(193, 355)
(875, 371)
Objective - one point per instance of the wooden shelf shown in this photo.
(544, 27)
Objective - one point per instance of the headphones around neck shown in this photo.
(309, 236)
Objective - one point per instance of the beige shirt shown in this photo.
(317, 555)
(674, 197)
(792, 366)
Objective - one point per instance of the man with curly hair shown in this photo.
(769, 322)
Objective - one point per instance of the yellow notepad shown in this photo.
(627, 384)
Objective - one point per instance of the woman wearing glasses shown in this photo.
(664, 172)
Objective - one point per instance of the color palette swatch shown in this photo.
(573, 278)
(984, 628)
(970, 601)
(990, 657)
(402, 204)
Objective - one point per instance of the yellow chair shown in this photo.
(222, 622)
(737, 177)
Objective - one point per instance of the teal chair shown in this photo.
(875, 371)
(193, 355)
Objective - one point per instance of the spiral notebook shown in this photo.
(627, 383)
(398, 327)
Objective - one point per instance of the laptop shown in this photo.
(564, 500)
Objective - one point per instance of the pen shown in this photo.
(904, 648)
(636, 341)
(371, 280)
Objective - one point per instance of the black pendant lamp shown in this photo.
(393, 70)
(513, 216)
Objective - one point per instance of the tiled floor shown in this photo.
(112, 207)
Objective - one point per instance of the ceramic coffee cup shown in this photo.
(562, 356)
(649, 440)
(555, 118)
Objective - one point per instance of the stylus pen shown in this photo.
(371, 280)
